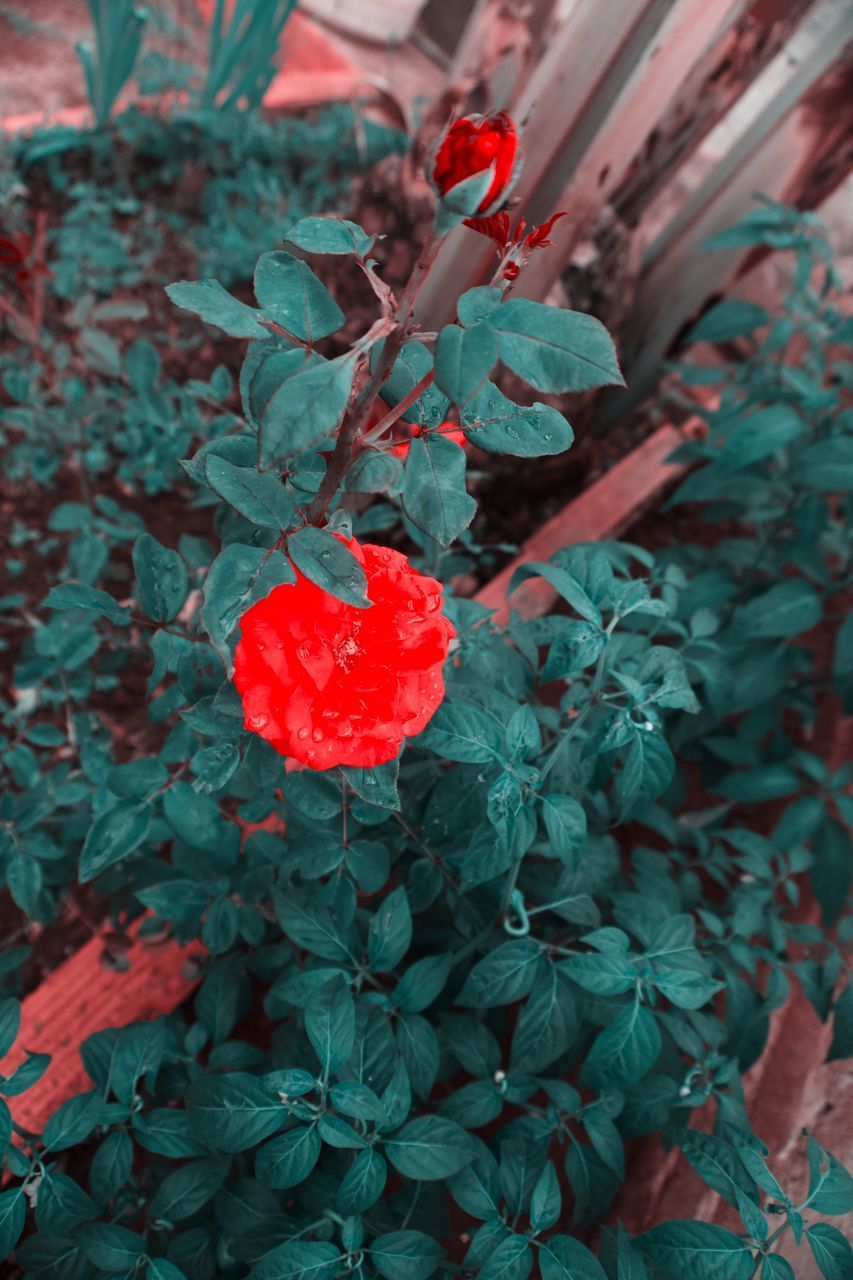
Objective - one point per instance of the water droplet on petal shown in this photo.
(302, 734)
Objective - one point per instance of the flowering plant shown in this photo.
(483, 941)
(329, 669)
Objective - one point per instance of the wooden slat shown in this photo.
(744, 46)
(602, 511)
(496, 35)
(80, 997)
(775, 154)
(638, 91)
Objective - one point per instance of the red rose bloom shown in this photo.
(330, 684)
(472, 145)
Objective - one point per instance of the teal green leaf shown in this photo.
(784, 610)
(233, 1112)
(497, 424)
(290, 294)
(214, 305)
(553, 349)
(238, 577)
(511, 1260)
(830, 1184)
(162, 578)
(10, 1021)
(330, 1025)
(330, 234)
(565, 822)
(607, 973)
(328, 562)
(390, 932)
(430, 1148)
(564, 1258)
(434, 495)
(299, 1260)
(697, 1251)
(758, 436)
(306, 409)
(259, 496)
(422, 983)
(646, 772)
(116, 834)
(188, 1189)
(732, 318)
(13, 1213)
(831, 1251)
(464, 358)
(502, 977)
(405, 1255)
(109, 1247)
(546, 1201)
(461, 731)
(625, 1050)
(828, 465)
(75, 595)
(363, 1183)
(286, 1161)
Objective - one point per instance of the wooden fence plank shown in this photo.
(742, 49)
(779, 153)
(635, 99)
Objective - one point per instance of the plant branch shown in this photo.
(351, 432)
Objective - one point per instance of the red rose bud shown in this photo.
(472, 145)
(329, 684)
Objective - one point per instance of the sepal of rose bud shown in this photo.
(462, 201)
(475, 164)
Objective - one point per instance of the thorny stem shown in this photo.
(351, 432)
(393, 415)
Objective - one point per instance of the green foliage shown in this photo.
(119, 26)
(454, 986)
(243, 51)
(82, 390)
